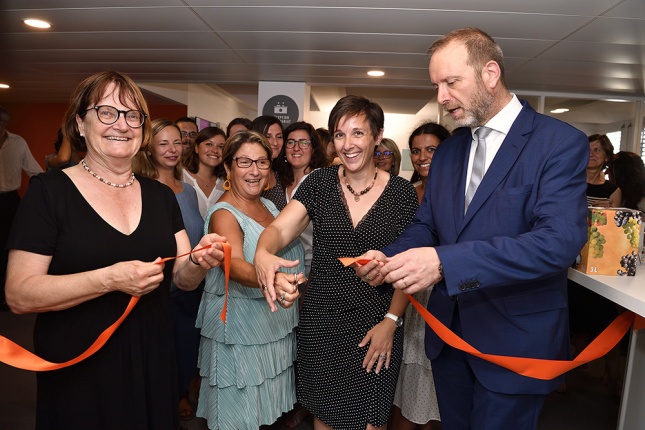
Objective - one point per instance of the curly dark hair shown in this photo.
(318, 153)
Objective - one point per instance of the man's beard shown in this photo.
(477, 114)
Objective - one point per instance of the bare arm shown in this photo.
(186, 274)
(62, 157)
(615, 199)
(291, 222)
(30, 289)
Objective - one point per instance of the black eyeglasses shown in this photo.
(108, 115)
(383, 154)
(246, 162)
(303, 143)
(192, 134)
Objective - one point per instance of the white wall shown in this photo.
(205, 101)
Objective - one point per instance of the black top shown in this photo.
(603, 190)
(131, 382)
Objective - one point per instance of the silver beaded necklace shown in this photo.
(106, 182)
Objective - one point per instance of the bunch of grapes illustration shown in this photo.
(630, 222)
(596, 242)
(628, 264)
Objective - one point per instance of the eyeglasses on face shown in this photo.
(303, 143)
(246, 162)
(108, 115)
(192, 134)
(383, 154)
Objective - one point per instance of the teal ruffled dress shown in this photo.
(246, 365)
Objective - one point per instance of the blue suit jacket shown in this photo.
(505, 261)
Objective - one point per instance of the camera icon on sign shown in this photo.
(280, 108)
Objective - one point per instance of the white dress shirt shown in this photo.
(15, 156)
(500, 124)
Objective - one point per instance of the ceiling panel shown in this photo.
(577, 46)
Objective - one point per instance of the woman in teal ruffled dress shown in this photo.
(246, 364)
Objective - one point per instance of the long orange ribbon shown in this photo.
(15, 355)
(532, 367)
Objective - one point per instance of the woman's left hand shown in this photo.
(213, 254)
(381, 339)
(286, 288)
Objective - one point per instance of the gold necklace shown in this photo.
(357, 196)
(245, 213)
(91, 172)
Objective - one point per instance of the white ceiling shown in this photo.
(573, 48)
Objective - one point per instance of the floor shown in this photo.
(587, 405)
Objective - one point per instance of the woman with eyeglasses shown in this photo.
(415, 400)
(350, 338)
(247, 362)
(203, 168)
(301, 154)
(85, 240)
(387, 156)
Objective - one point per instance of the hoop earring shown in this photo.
(268, 187)
(227, 184)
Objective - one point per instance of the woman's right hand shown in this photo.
(136, 278)
(266, 266)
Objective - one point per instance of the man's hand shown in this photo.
(413, 270)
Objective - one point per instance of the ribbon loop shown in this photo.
(15, 355)
(532, 367)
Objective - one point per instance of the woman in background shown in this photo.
(161, 160)
(203, 171)
(423, 143)
(601, 152)
(301, 154)
(238, 124)
(627, 171)
(271, 128)
(415, 400)
(387, 156)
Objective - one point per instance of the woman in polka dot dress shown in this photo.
(349, 350)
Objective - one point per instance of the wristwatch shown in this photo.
(397, 320)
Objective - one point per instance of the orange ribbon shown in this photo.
(532, 367)
(15, 355)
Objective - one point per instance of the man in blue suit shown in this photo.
(498, 256)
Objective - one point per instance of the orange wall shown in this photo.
(38, 125)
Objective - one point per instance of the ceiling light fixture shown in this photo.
(4, 86)
(37, 23)
(376, 73)
(561, 110)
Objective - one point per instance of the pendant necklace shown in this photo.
(357, 196)
(127, 184)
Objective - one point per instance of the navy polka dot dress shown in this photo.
(339, 308)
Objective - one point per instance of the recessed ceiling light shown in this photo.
(561, 110)
(376, 73)
(4, 86)
(616, 100)
(38, 23)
